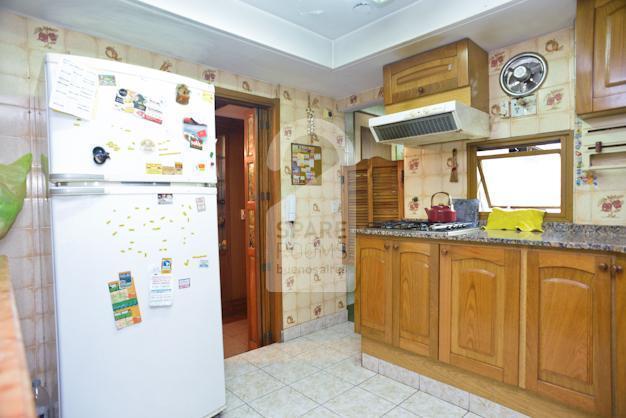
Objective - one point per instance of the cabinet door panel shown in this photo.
(620, 336)
(479, 316)
(610, 49)
(374, 281)
(568, 329)
(416, 278)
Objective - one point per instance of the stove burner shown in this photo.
(423, 226)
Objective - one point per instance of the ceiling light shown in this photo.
(315, 12)
(362, 7)
(380, 2)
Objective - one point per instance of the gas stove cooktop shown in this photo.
(450, 228)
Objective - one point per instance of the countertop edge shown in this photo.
(476, 237)
(16, 399)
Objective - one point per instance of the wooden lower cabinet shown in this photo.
(415, 297)
(479, 310)
(620, 335)
(568, 328)
(373, 294)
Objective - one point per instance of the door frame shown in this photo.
(269, 283)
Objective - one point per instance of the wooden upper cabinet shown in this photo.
(457, 71)
(374, 288)
(415, 297)
(568, 328)
(479, 310)
(600, 56)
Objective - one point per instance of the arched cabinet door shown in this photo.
(373, 293)
(479, 310)
(568, 328)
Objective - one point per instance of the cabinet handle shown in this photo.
(396, 246)
(387, 246)
(420, 90)
(616, 269)
(444, 252)
(603, 267)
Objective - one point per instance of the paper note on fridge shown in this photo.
(74, 90)
(161, 291)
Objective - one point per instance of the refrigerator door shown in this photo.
(155, 126)
(171, 364)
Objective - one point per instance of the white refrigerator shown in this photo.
(132, 189)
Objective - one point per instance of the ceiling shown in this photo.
(245, 37)
(330, 18)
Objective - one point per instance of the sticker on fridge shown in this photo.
(166, 266)
(139, 105)
(182, 94)
(184, 283)
(165, 198)
(106, 80)
(203, 263)
(161, 291)
(124, 301)
(195, 133)
(200, 204)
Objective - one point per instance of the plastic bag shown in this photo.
(12, 191)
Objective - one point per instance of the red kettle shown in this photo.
(441, 213)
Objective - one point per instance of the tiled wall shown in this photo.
(23, 43)
(598, 197)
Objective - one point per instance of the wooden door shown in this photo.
(568, 328)
(416, 297)
(250, 221)
(479, 310)
(355, 206)
(619, 292)
(231, 232)
(374, 288)
(600, 56)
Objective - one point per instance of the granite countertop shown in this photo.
(570, 236)
(16, 397)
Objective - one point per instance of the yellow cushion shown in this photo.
(516, 220)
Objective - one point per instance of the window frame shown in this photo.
(567, 168)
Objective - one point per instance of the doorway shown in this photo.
(248, 211)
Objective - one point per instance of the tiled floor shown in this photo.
(320, 375)
(235, 338)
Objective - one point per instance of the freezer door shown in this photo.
(155, 126)
(171, 363)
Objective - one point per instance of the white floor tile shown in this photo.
(243, 411)
(359, 403)
(322, 386)
(253, 385)
(283, 403)
(351, 370)
(320, 412)
(388, 389)
(399, 412)
(264, 356)
(426, 405)
(232, 401)
(290, 371)
(236, 366)
(323, 358)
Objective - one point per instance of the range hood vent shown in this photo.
(427, 125)
(443, 122)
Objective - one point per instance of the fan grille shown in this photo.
(523, 74)
(416, 127)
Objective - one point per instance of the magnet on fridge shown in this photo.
(106, 79)
(166, 265)
(165, 198)
(182, 94)
(203, 264)
(200, 204)
(125, 279)
(153, 168)
(184, 283)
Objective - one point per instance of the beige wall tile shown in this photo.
(13, 29)
(524, 126)
(17, 65)
(77, 43)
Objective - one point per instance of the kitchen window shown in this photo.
(530, 172)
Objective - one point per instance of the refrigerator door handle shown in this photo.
(65, 178)
(76, 191)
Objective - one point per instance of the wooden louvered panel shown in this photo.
(384, 194)
(372, 192)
